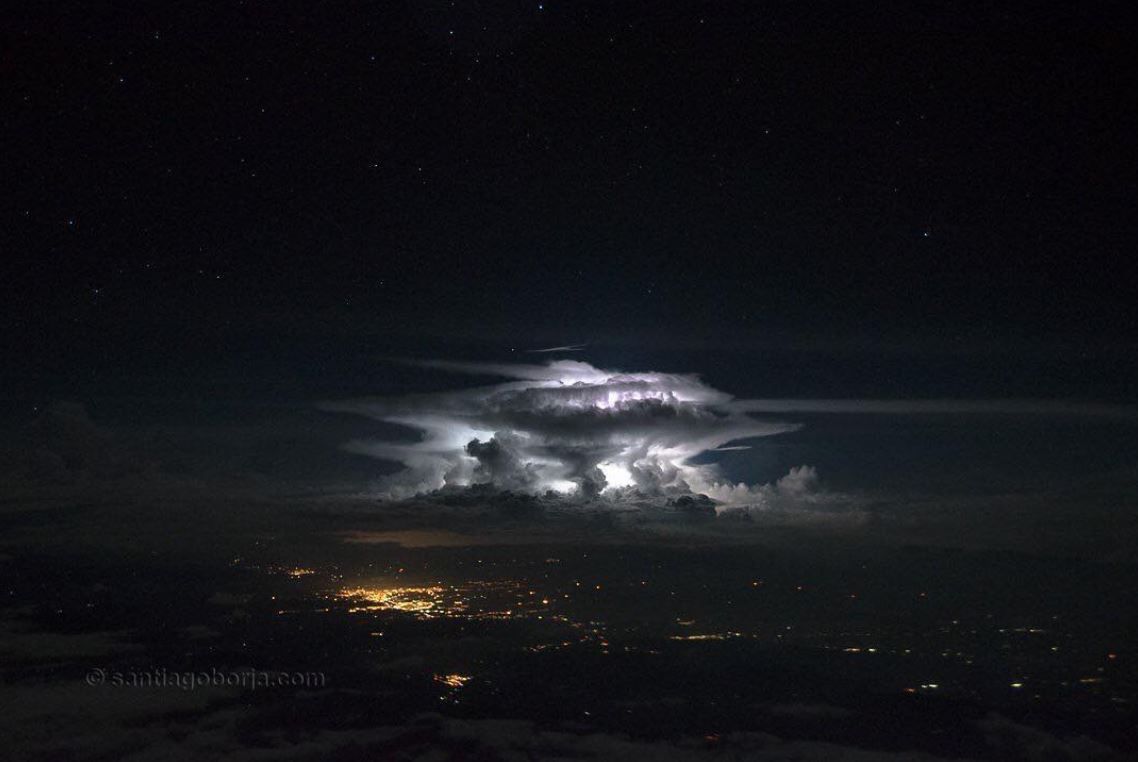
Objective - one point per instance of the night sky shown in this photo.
(885, 201)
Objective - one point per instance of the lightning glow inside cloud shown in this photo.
(573, 428)
(576, 429)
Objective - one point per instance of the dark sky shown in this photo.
(841, 199)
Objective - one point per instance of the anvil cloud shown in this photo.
(569, 427)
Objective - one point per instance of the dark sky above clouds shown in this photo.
(214, 221)
(884, 201)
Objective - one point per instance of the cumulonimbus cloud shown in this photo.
(565, 426)
(573, 428)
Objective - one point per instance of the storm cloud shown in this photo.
(565, 426)
(587, 433)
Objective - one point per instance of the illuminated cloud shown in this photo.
(563, 348)
(569, 427)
